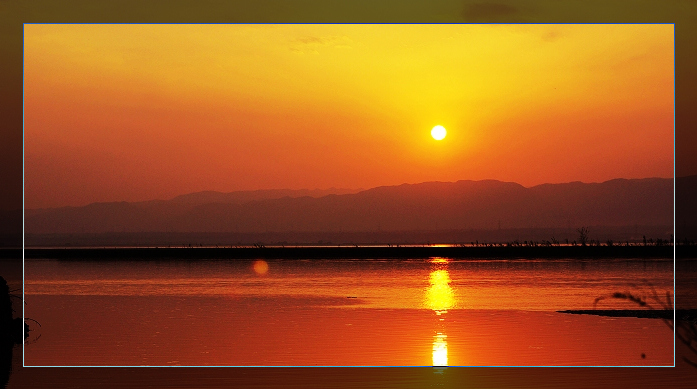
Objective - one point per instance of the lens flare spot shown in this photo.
(260, 267)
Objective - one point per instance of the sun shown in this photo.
(438, 132)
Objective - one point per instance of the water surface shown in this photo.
(343, 312)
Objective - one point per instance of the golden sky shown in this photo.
(139, 112)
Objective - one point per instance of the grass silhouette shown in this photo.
(646, 296)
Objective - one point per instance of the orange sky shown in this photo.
(138, 112)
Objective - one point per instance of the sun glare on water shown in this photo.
(440, 297)
(440, 350)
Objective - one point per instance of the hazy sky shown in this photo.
(138, 112)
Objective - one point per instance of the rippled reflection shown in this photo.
(440, 297)
(440, 350)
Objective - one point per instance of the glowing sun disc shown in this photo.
(438, 132)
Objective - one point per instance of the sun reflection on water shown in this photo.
(440, 297)
(440, 350)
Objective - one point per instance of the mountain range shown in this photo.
(428, 206)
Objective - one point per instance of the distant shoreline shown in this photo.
(666, 314)
(349, 252)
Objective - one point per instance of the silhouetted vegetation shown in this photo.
(12, 331)
(491, 251)
(647, 297)
(583, 235)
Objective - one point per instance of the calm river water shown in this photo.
(425, 312)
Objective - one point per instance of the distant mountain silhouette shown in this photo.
(686, 208)
(460, 205)
(241, 197)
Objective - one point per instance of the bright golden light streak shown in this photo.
(439, 260)
(440, 350)
(440, 296)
